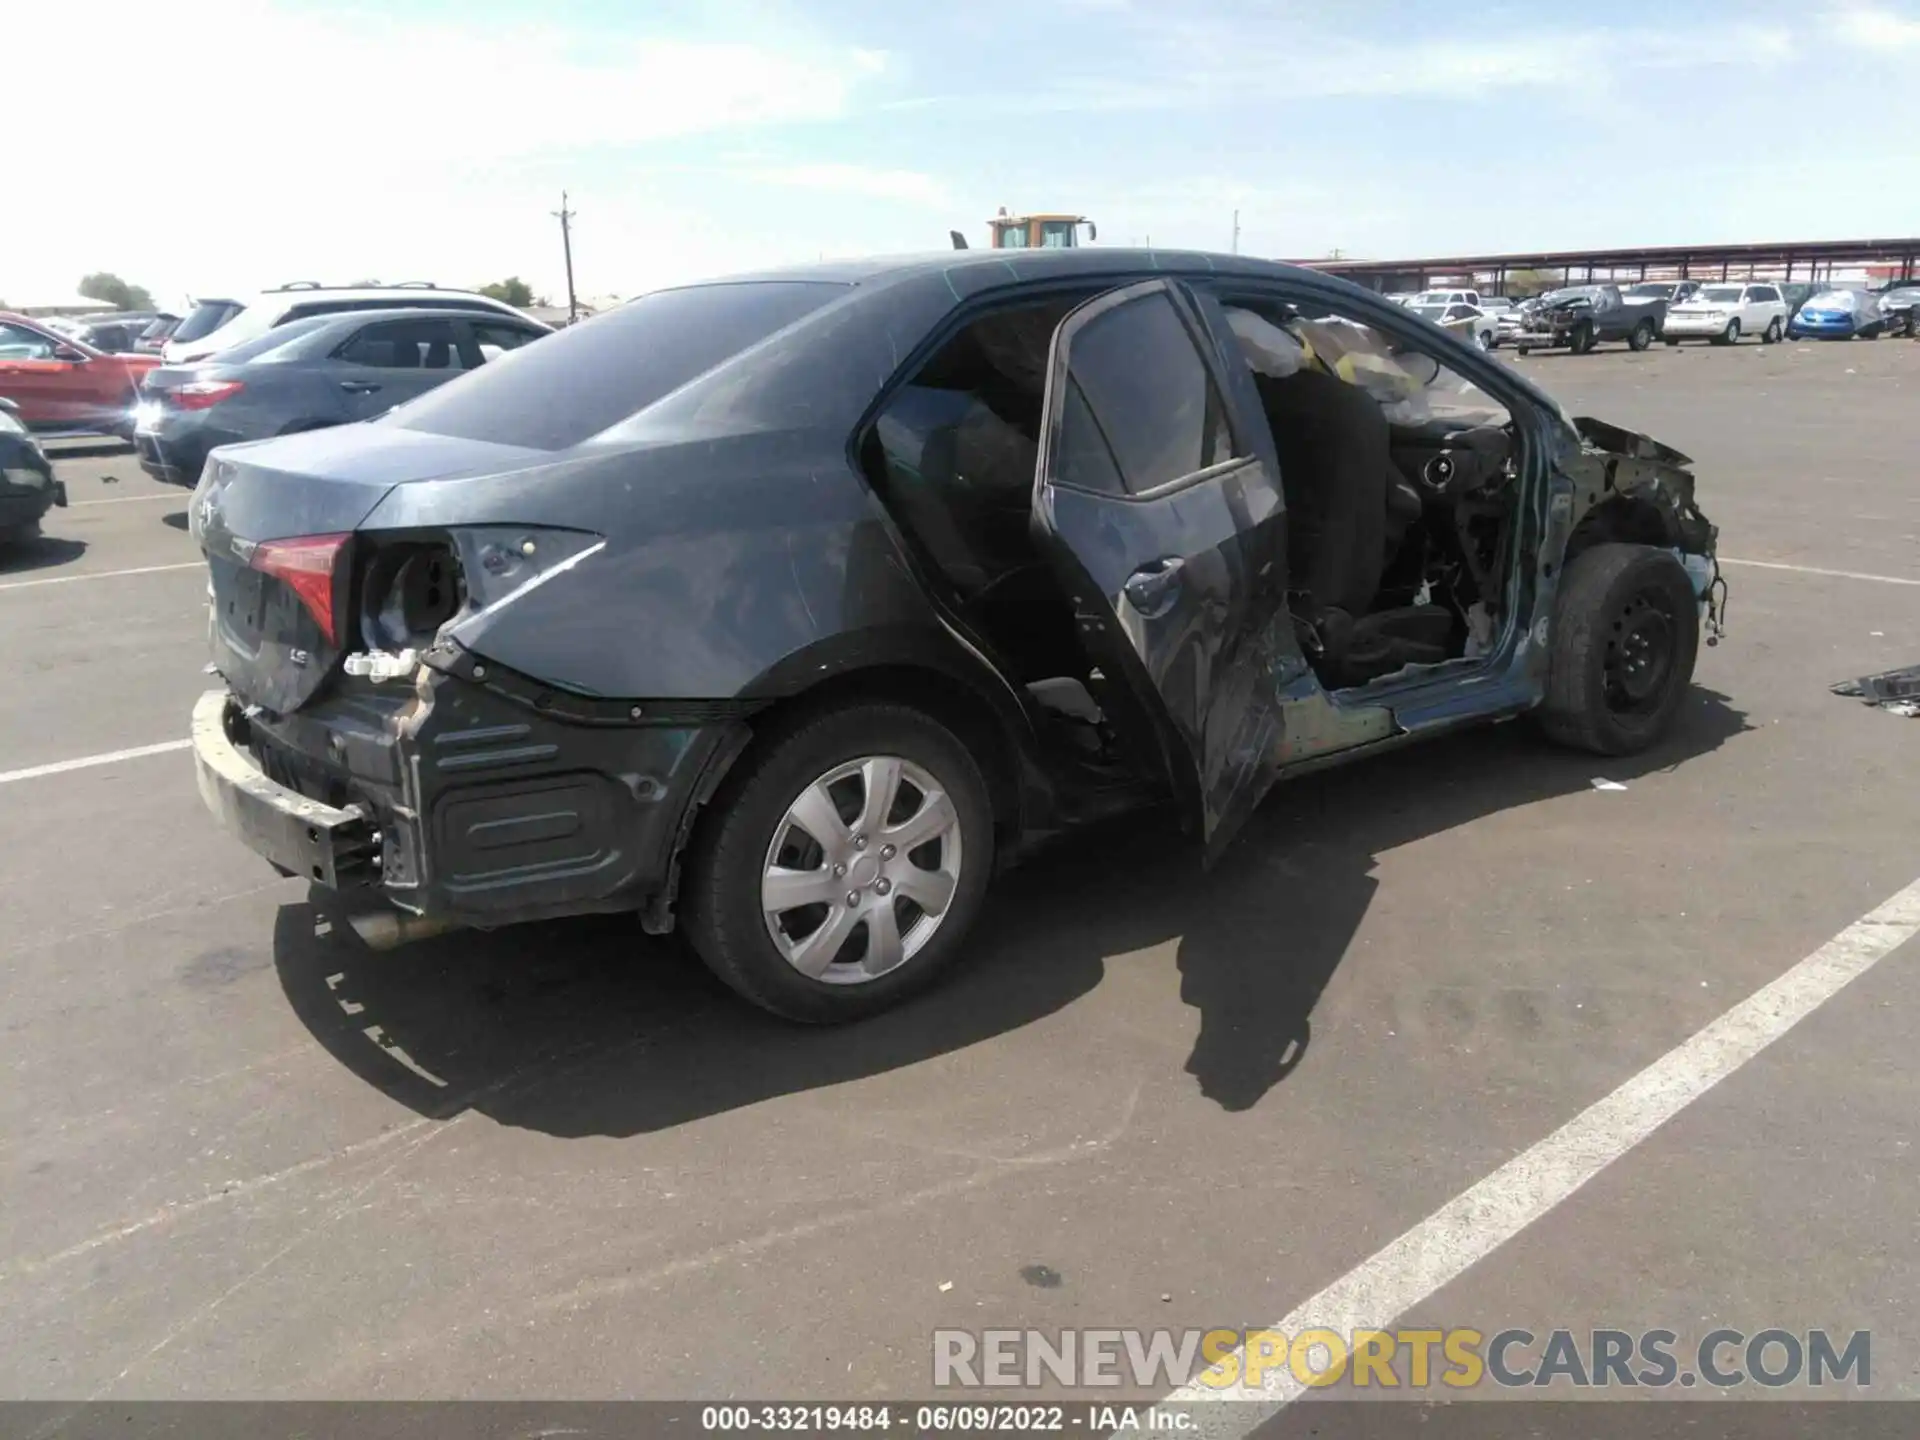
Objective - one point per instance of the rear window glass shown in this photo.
(262, 345)
(207, 317)
(589, 377)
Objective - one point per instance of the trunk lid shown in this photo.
(282, 615)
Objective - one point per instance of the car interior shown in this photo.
(1398, 478)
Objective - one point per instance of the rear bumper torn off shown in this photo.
(322, 843)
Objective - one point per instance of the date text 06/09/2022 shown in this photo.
(920, 1419)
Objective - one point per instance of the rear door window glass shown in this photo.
(1143, 381)
(404, 345)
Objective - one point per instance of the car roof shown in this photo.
(344, 318)
(1026, 264)
(296, 294)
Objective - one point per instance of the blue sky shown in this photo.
(309, 140)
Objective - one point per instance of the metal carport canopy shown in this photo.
(1806, 257)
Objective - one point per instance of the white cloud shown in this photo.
(1875, 28)
(1194, 60)
(276, 142)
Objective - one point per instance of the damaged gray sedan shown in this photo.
(784, 610)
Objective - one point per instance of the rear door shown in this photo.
(387, 362)
(1158, 499)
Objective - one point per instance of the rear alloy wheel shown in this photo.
(1625, 638)
(1641, 337)
(1771, 335)
(1730, 335)
(1484, 339)
(841, 872)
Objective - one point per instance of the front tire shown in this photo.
(1625, 638)
(1582, 338)
(840, 873)
(1730, 335)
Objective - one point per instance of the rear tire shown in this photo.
(1674, 341)
(1771, 335)
(751, 832)
(1625, 638)
(1641, 337)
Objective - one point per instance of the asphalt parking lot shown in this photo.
(248, 1158)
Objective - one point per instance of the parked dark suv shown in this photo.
(787, 608)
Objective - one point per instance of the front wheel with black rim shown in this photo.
(1641, 337)
(840, 872)
(1625, 637)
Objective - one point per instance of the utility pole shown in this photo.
(1236, 232)
(565, 217)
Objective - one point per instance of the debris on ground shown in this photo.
(1600, 784)
(1895, 691)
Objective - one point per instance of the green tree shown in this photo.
(105, 285)
(510, 291)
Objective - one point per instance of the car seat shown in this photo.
(1348, 511)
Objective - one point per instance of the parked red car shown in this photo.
(61, 384)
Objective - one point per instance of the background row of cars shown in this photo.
(1719, 312)
(300, 357)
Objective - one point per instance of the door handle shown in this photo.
(358, 387)
(1155, 586)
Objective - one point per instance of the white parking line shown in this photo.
(177, 495)
(1816, 570)
(1481, 1219)
(60, 767)
(102, 575)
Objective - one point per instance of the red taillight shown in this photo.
(305, 566)
(199, 394)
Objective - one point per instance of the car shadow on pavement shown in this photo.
(38, 552)
(589, 1027)
(177, 519)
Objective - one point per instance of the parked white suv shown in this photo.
(1446, 297)
(271, 308)
(1723, 313)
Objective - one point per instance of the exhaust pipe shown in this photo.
(390, 929)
